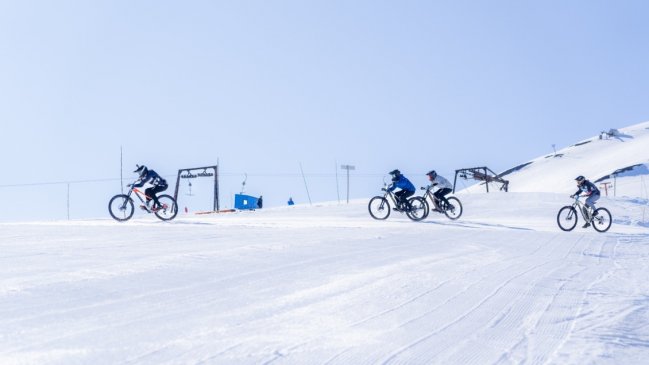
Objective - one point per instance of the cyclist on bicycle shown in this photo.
(407, 189)
(444, 187)
(158, 184)
(591, 191)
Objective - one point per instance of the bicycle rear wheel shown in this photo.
(169, 208)
(121, 207)
(567, 218)
(602, 220)
(418, 208)
(454, 210)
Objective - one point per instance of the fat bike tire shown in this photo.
(169, 208)
(567, 218)
(602, 221)
(121, 207)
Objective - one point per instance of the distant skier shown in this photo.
(260, 202)
(444, 187)
(158, 184)
(591, 191)
(407, 189)
(290, 201)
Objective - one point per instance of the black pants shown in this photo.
(403, 195)
(440, 195)
(152, 191)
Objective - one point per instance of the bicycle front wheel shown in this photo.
(602, 220)
(454, 209)
(567, 218)
(169, 208)
(379, 208)
(418, 209)
(121, 207)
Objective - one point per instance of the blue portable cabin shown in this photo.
(245, 202)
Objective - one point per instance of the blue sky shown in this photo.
(263, 86)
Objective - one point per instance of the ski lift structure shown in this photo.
(484, 174)
(199, 172)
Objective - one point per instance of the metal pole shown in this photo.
(177, 186)
(337, 189)
(305, 185)
(121, 169)
(347, 186)
(216, 186)
(348, 167)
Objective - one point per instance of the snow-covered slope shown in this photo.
(329, 285)
(596, 158)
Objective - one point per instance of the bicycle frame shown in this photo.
(429, 193)
(138, 194)
(392, 197)
(579, 205)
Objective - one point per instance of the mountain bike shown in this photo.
(567, 217)
(121, 206)
(379, 206)
(453, 210)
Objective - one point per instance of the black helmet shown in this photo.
(396, 174)
(580, 179)
(142, 170)
(432, 174)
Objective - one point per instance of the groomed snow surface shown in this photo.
(327, 284)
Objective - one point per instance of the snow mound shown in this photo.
(617, 157)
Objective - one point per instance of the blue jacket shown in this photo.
(588, 188)
(403, 184)
(151, 177)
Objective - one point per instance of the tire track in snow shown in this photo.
(170, 314)
(610, 310)
(349, 357)
(519, 309)
(511, 278)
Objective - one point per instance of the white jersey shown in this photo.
(442, 183)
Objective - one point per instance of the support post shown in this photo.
(348, 167)
(305, 184)
(216, 188)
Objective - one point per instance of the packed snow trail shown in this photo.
(328, 285)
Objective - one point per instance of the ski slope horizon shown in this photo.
(89, 200)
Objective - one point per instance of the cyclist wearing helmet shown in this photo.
(407, 188)
(590, 190)
(158, 184)
(444, 187)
